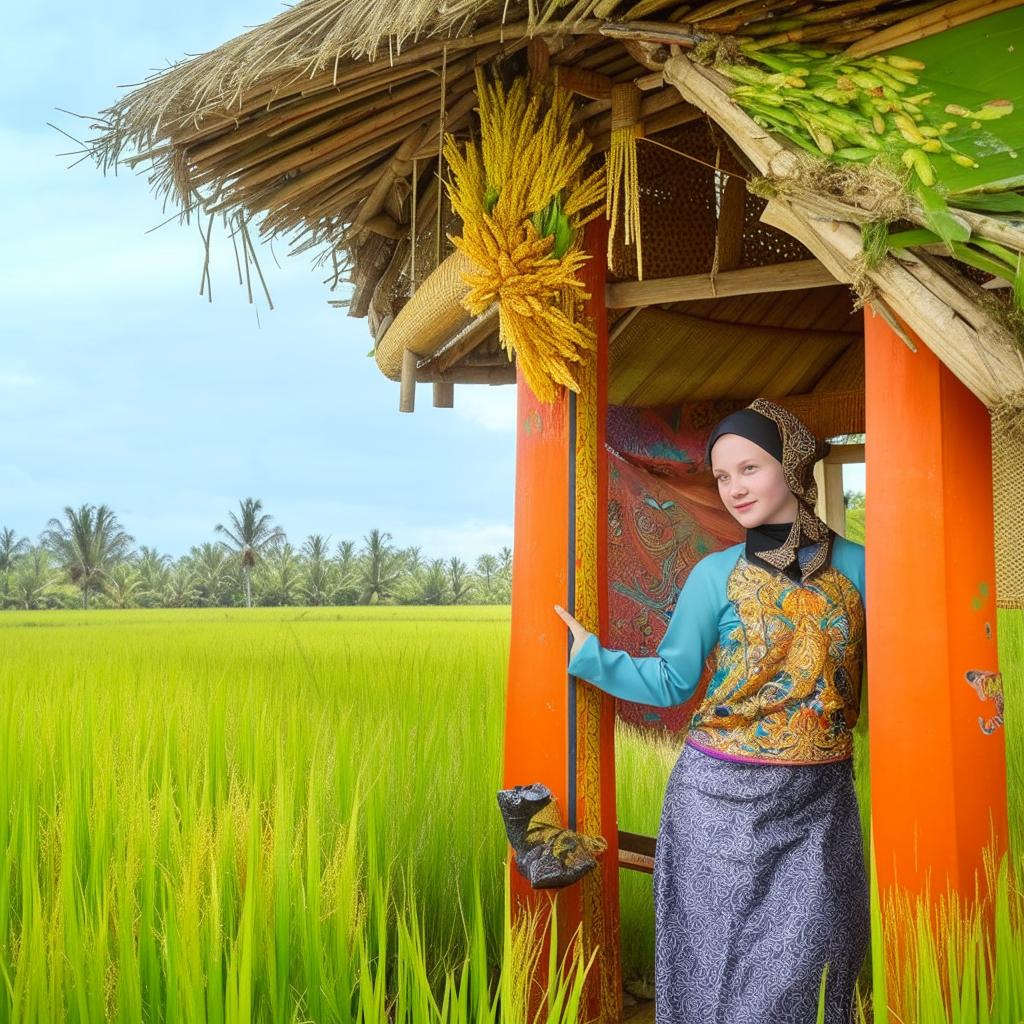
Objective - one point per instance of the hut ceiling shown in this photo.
(770, 344)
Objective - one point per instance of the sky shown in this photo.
(120, 385)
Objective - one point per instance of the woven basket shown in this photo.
(433, 314)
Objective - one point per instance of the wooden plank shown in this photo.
(775, 278)
(729, 237)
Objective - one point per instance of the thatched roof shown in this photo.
(324, 125)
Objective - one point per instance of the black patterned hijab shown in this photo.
(785, 437)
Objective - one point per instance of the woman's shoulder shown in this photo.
(848, 549)
(848, 558)
(718, 564)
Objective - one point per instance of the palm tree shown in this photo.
(10, 549)
(458, 579)
(487, 569)
(35, 580)
(348, 580)
(412, 557)
(279, 576)
(248, 538)
(180, 589)
(318, 577)
(434, 584)
(124, 585)
(505, 562)
(87, 544)
(154, 569)
(382, 567)
(210, 565)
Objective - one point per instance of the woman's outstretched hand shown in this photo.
(579, 633)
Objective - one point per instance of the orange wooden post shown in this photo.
(558, 730)
(938, 781)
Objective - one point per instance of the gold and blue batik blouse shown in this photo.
(787, 659)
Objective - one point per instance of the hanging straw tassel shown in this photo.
(622, 181)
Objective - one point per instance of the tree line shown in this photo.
(85, 559)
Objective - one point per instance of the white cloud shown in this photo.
(490, 407)
(466, 540)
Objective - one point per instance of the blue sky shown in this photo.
(119, 384)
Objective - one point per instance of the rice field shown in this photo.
(289, 815)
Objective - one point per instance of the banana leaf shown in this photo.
(970, 65)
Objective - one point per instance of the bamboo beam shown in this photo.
(681, 113)
(976, 348)
(591, 84)
(709, 91)
(464, 341)
(782, 277)
(470, 375)
(939, 19)
(647, 54)
(663, 32)
(399, 166)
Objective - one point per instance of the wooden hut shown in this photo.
(765, 271)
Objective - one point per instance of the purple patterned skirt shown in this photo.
(759, 879)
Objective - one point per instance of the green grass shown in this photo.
(289, 815)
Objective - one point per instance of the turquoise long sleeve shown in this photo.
(672, 675)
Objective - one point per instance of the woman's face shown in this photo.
(751, 483)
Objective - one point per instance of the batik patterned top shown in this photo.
(787, 658)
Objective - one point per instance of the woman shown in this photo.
(759, 875)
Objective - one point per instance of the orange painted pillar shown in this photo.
(559, 730)
(938, 780)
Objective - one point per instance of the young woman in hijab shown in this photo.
(759, 874)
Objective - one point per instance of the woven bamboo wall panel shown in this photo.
(1008, 497)
(677, 207)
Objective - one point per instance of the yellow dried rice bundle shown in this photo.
(523, 201)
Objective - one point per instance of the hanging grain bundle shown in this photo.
(522, 198)
(623, 183)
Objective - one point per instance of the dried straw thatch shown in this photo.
(325, 124)
(299, 118)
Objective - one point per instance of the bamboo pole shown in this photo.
(465, 341)
(407, 383)
(286, 157)
(708, 91)
(949, 15)
(444, 394)
(400, 166)
(663, 32)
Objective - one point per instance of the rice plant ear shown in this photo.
(546, 855)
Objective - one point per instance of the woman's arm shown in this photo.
(670, 676)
